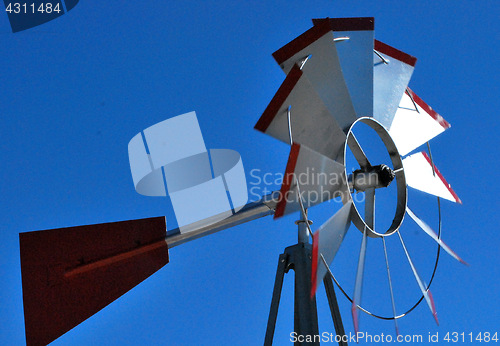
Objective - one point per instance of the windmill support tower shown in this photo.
(298, 257)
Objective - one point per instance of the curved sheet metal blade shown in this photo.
(358, 286)
(326, 241)
(320, 179)
(356, 58)
(415, 123)
(325, 75)
(390, 81)
(393, 302)
(69, 274)
(427, 229)
(426, 293)
(316, 53)
(419, 175)
(312, 124)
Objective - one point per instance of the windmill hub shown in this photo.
(371, 177)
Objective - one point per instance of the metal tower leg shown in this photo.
(306, 316)
(275, 302)
(298, 258)
(334, 309)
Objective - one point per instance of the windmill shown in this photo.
(337, 77)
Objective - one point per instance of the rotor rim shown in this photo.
(397, 163)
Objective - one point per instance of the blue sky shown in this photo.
(77, 89)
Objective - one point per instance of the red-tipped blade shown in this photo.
(427, 229)
(420, 175)
(319, 178)
(423, 288)
(69, 274)
(392, 70)
(415, 123)
(326, 242)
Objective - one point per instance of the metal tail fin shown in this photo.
(69, 274)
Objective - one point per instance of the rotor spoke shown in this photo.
(370, 207)
(358, 152)
(390, 287)
(359, 283)
(303, 210)
(426, 292)
(427, 229)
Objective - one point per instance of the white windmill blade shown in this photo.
(392, 70)
(326, 242)
(420, 175)
(323, 70)
(311, 122)
(427, 229)
(315, 53)
(319, 178)
(425, 292)
(358, 286)
(415, 123)
(354, 42)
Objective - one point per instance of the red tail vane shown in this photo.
(69, 274)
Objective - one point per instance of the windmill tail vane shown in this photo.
(337, 78)
(69, 274)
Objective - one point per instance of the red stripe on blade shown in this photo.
(287, 180)
(395, 53)
(69, 274)
(314, 263)
(347, 24)
(279, 98)
(434, 312)
(429, 110)
(355, 318)
(301, 42)
(438, 173)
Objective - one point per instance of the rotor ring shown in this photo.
(397, 163)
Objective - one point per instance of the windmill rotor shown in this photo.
(338, 76)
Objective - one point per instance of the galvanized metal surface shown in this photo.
(317, 178)
(298, 258)
(312, 122)
(250, 212)
(356, 59)
(390, 81)
(415, 123)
